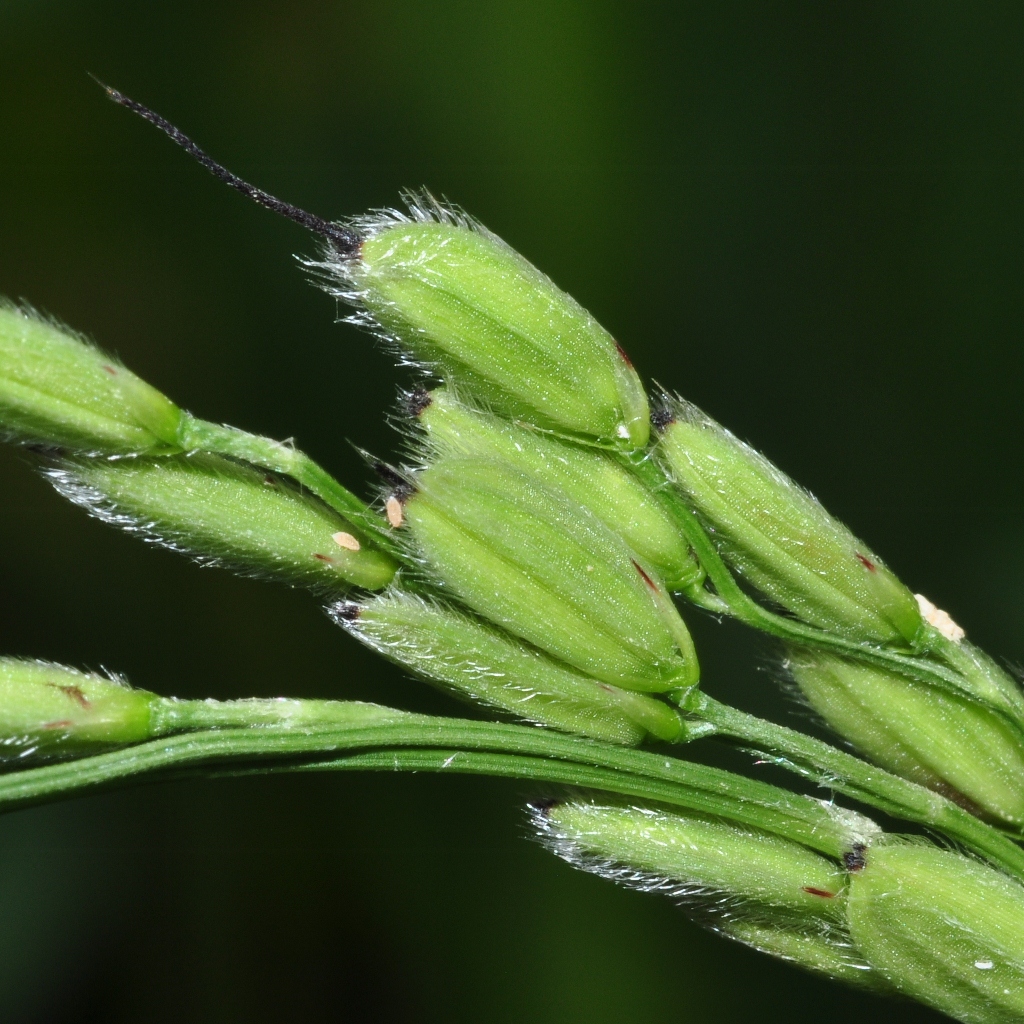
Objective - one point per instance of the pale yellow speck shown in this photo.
(345, 540)
(939, 619)
(393, 507)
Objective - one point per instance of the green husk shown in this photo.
(550, 572)
(224, 512)
(461, 301)
(57, 389)
(944, 929)
(593, 479)
(777, 536)
(491, 667)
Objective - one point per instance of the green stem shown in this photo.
(808, 756)
(201, 435)
(833, 842)
(855, 778)
(542, 756)
(744, 608)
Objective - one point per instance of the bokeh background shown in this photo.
(809, 218)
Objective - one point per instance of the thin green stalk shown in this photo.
(855, 778)
(201, 435)
(736, 602)
(539, 769)
(528, 753)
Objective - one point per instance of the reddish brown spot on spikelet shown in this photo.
(866, 562)
(110, 370)
(643, 575)
(74, 692)
(323, 558)
(625, 358)
(824, 893)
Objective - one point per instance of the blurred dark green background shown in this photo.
(807, 217)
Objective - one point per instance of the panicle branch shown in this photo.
(526, 559)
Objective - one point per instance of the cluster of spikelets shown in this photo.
(525, 557)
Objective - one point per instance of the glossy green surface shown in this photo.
(496, 669)
(943, 929)
(746, 871)
(47, 709)
(463, 301)
(594, 480)
(57, 389)
(779, 538)
(935, 737)
(226, 513)
(534, 563)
